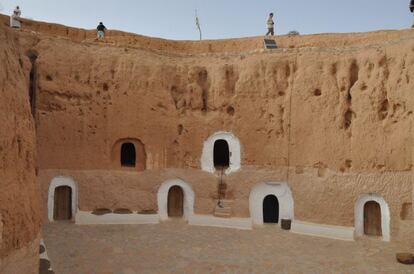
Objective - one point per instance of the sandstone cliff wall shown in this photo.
(349, 111)
(342, 106)
(330, 114)
(19, 195)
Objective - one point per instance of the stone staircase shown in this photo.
(223, 206)
(223, 209)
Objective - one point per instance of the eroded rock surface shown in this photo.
(19, 195)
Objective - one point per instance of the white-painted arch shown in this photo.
(162, 198)
(385, 215)
(207, 157)
(57, 182)
(282, 193)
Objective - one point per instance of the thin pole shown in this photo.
(198, 24)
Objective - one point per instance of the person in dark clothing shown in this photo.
(101, 30)
(270, 25)
(412, 9)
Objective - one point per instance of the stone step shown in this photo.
(226, 203)
(224, 210)
(222, 215)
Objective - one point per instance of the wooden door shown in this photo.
(372, 219)
(175, 202)
(63, 203)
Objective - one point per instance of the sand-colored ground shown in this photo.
(174, 247)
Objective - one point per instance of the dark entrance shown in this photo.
(62, 203)
(271, 209)
(221, 154)
(128, 155)
(175, 202)
(372, 219)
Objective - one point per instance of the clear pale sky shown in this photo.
(219, 18)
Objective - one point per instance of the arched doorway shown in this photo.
(175, 202)
(270, 209)
(372, 219)
(62, 203)
(221, 154)
(222, 149)
(128, 155)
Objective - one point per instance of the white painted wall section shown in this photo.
(324, 231)
(57, 182)
(207, 157)
(385, 215)
(279, 189)
(162, 198)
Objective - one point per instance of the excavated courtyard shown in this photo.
(175, 247)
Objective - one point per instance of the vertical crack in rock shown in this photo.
(205, 100)
(383, 111)
(383, 103)
(203, 83)
(354, 75)
(33, 80)
(231, 77)
(353, 78)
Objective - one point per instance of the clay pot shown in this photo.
(286, 224)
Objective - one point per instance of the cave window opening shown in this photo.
(128, 155)
(221, 154)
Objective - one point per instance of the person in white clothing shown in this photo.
(15, 21)
(270, 25)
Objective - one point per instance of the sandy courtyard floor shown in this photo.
(174, 247)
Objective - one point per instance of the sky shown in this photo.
(175, 19)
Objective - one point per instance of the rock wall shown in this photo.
(337, 102)
(19, 195)
(340, 118)
(330, 114)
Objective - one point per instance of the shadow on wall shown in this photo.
(129, 153)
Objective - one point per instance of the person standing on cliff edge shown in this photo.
(101, 30)
(15, 18)
(412, 9)
(270, 25)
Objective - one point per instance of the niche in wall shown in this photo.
(129, 153)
